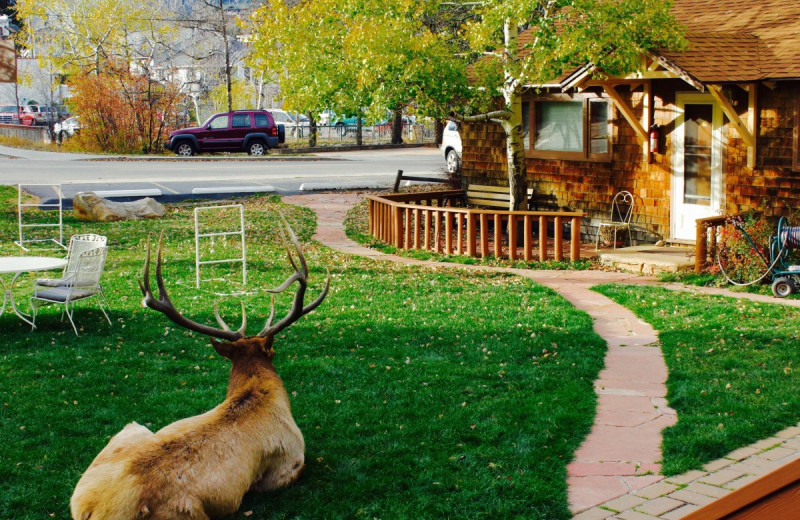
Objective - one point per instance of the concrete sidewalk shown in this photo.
(615, 473)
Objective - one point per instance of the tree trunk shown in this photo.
(438, 131)
(515, 148)
(397, 127)
(359, 128)
(196, 109)
(227, 48)
(515, 154)
(312, 130)
(260, 91)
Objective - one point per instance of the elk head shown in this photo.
(234, 342)
(201, 467)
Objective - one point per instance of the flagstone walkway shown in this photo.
(615, 473)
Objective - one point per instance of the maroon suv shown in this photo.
(251, 131)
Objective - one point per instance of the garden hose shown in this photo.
(785, 234)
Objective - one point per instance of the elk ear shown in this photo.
(223, 348)
(265, 346)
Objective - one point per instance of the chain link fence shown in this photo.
(370, 134)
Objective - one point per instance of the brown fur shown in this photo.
(200, 467)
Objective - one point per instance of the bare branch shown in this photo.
(496, 116)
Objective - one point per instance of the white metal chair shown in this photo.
(622, 207)
(77, 245)
(81, 284)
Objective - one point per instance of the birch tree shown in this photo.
(565, 34)
(82, 35)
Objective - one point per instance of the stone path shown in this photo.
(615, 473)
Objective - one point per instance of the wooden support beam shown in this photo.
(408, 229)
(498, 241)
(575, 240)
(733, 117)
(484, 235)
(653, 74)
(528, 238)
(471, 235)
(752, 123)
(558, 240)
(448, 233)
(626, 111)
(512, 237)
(647, 119)
(542, 238)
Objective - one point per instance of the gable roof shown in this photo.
(739, 40)
(729, 41)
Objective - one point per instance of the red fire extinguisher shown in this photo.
(655, 136)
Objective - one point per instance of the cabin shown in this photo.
(708, 131)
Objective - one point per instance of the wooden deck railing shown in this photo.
(705, 246)
(431, 221)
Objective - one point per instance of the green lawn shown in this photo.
(420, 393)
(734, 369)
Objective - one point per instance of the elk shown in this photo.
(201, 467)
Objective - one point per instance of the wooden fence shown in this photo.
(431, 221)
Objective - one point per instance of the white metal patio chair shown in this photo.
(81, 284)
(622, 207)
(77, 245)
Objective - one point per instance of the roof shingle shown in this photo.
(739, 40)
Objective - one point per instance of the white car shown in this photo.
(288, 120)
(66, 128)
(451, 146)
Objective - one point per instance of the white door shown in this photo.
(697, 163)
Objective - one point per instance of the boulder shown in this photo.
(91, 207)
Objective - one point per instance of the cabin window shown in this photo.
(568, 127)
(796, 140)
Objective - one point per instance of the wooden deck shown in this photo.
(432, 221)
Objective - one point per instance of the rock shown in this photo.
(89, 206)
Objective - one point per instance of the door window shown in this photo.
(219, 123)
(697, 154)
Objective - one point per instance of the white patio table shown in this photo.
(17, 265)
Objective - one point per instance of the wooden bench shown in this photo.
(492, 196)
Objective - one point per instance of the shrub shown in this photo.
(122, 112)
(740, 260)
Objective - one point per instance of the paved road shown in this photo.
(178, 178)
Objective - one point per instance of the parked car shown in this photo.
(288, 120)
(251, 131)
(15, 115)
(385, 125)
(451, 146)
(282, 117)
(348, 124)
(326, 117)
(62, 111)
(44, 115)
(66, 128)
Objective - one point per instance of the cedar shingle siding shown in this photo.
(732, 43)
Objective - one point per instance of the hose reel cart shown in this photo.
(784, 267)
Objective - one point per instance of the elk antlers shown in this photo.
(165, 306)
